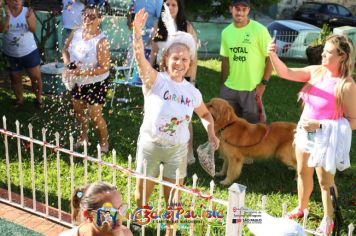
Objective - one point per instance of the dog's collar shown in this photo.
(268, 128)
(223, 128)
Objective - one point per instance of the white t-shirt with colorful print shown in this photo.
(168, 108)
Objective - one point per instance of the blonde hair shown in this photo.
(344, 46)
(89, 197)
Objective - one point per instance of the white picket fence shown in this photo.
(234, 203)
(236, 192)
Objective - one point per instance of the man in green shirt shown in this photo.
(245, 66)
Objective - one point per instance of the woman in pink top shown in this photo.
(328, 95)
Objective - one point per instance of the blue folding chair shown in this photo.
(126, 76)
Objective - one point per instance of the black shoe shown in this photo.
(17, 104)
(38, 104)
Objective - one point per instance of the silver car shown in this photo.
(293, 37)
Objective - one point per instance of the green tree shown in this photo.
(215, 8)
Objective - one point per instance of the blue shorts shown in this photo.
(31, 60)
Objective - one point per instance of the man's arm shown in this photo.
(268, 70)
(225, 68)
(260, 89)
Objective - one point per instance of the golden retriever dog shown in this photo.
(240, 139)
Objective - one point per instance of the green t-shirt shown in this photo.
(246, 49)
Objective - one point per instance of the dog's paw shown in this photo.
(220, 173)
(225, 182)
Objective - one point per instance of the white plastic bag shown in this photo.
(206, 158)
(275, 226)
(68, 80)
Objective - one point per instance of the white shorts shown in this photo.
(303, 139)
(172, 157)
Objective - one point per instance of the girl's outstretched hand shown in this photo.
(214, 141)
(139, 22)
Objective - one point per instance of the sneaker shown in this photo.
(326, 226)
(79, 144)
(296, 213)
(104, 149)
(190, 159)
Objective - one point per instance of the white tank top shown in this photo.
(72, 14)
(18, 40)
(84, 52)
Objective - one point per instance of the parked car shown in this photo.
(293, 37)
(318, 13)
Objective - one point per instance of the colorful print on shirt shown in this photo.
(171, 127)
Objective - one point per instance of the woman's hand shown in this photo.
(310, 125)
(75, 72)
(260, 89)
(272, 48)
(29, 13)
(139, 23)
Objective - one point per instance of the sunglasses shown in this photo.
(90, 16)
(109, 213)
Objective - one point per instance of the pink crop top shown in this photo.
(320, 101)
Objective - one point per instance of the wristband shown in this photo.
(264, 82)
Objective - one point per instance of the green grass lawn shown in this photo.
(269, 178)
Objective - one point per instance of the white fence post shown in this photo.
(129, 190)
(351, 229)
(114, 169)
(7, 161)
(71, 143)
(45, 168)
(263, 202)
(144, 191)
(99, 163)
(58, 178)
(192, 205)
(33, 177)
(85, 162)
(236, 203)
(160, 195)
(175, 203)
(19, 153)
(284, 209)
(212, 185)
